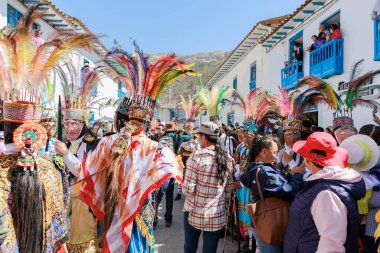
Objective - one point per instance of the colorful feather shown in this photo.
(25, 66)
(238, 100)
(285, 101)
(142, 80)
(192, 108)
(318, 91)
(78, 86)
(213, 100)
(355, 86)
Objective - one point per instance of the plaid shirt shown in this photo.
(206, 198)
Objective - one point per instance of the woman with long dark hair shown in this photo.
(207, 186)
(273, 181)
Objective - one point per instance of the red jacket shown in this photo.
(336, 34)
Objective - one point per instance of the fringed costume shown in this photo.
(120, 175)
(34, 190)
(77, 87)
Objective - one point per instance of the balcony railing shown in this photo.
(377, 39)
(291, 74)
(327, 60)
(252, 85)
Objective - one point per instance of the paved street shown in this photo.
(171, 240)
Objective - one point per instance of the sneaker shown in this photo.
(178, 197)
(168, 224)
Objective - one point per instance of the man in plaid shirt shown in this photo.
(207, 185)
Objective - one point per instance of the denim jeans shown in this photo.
(210, 239)
(265, 248)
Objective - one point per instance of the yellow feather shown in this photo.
(69, 43)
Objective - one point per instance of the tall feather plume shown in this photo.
(204, 97)
(91, 78)
(126, 67)
(354, 87)
(365, 103)
(271, 108)
(50, 90)
(312, 96)
(142, 68)
(186, 106)
(63, 48)
(261, 105)
(213, 100)
(168, 77)
(142, 80)
(192, 108)
(158, 67)
(326, 94)
(252, 102)
(25, 66)
(77, 86)
(239, 101)
(285, 101)
(355, 70)
(266, 103)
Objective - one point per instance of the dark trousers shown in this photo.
(210, 239)
(370, 245)
(169, 201)
(169, 192)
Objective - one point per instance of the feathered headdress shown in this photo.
(259, 104)
(343, 114)
(317, 92)
(352, 98)
(213, 100)
(192, 108)
(24, 66)
(144, 82)
(309, 91)
(77, 88)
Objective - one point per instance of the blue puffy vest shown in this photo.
(302, 234)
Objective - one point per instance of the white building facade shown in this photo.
(53, 21)
(332, 62)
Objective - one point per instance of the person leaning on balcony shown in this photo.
(321, 40)
(312, 47)
(298, 50)
(327, 33)
(335, 32)
(375, 10)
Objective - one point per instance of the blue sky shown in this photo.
(183, 27)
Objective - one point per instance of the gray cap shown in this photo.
(207, 128)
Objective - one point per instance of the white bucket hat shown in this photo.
(363, 152)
